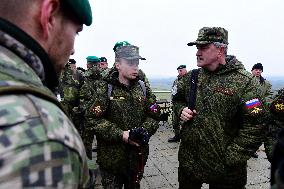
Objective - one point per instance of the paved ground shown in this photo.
(162, 165)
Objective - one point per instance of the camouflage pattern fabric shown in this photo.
(69, 90)
(275, 140)
(175, 118)
(40, 147)
(208, 35)
(87, 93)
(275, 123)
(228, 127)
(266, 90)
(109, 117)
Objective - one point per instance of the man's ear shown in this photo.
(221, 51)
(49, 9)
(117, 65)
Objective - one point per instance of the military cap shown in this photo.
(81, 9)
(208, 35)
(93, 59)
(128, 52)
(72, 61)
(119, 44)
(181, 67)
(103, 59)
(257, 66)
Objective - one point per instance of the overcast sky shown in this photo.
(162, 28)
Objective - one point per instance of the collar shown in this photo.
(24, 46)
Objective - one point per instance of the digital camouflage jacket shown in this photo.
(126, 108)
(39, 145)
(227, 129)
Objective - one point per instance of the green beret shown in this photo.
(93, 59)
(120, 44)
(81, 9)
(181, 67)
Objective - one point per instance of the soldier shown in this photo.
(223, 126)
(69, 90)
(181, 72)
(40, 147)
(257, 70)
(141, 75)
(275, 144)
(92, 78)
(122, 107)
(77, 74)
(103, 64)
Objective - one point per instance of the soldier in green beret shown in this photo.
(92, 78)
(223, 126)
(121, 105)
(40, 147)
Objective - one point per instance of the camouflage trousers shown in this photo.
(111, 181)
(176, 125)
(186, 181)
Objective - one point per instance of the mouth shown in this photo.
(199, 59)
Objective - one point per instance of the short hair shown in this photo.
(15, 10)
(218, 45)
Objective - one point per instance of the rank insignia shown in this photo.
(277, 107)
(256, 110)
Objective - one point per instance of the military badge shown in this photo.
(224, 91)
(256, 110)
(277, 107)
(253, 103)
(154, 108)
(117, 98)
(96, 110)
(174, 90)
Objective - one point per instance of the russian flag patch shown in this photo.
(253, 103)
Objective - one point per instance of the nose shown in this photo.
(72, 51)
(198, 53)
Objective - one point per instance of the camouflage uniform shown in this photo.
(126, 108)
(40, 147)
(87, 92)
(176, 119)
(69, 90)
(227, 130)
(275, 143)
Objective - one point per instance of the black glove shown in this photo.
(139, 135)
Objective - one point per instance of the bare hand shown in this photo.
(187, 114)
(125, 138)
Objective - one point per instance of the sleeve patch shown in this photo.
(251, 104)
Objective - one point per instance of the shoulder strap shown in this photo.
(143, 87)
(193, 89)
(15, 89)
(109, 89)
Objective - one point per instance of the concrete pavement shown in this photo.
(161, 170)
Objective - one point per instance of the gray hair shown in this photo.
(218, 45)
